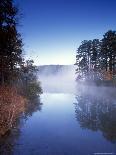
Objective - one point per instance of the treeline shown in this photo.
(19, 85)
(14, 69)
(96, 59)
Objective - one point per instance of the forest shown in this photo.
(18, 79)
(96, 60)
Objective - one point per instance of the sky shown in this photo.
(52, 30)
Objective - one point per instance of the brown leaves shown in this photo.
(11, 106)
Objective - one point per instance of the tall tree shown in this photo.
(95, 54)
(96, 59)
(88, 59)
(109, 51)
(10, 40)
(82, 58)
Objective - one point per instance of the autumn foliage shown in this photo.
(11, 106)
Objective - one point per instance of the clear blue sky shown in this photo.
(53, 29)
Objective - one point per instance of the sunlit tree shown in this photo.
(96, 59)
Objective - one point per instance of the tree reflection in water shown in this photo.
(34, 104)
(8, 141)
(97, 113)
(12, 133)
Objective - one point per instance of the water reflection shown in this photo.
(34, 104)
(15, 109)
(97, 112)
(8, 141)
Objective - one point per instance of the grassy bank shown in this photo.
(11, 106)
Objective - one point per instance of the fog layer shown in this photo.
(58, 79)
(55, 79)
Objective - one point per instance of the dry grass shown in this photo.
(11, 106)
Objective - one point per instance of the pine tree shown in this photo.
(83, 58)
(10, 40)
(88, 59)
(109, 51)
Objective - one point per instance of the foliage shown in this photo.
(30, 87)
(30, 84)
(96, 59)
(18, 79)
(10, 41)
(11, 106)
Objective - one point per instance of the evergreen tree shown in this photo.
(109, 51)
(96, 60)
(82, 58)
(86, 58)
(10, 40)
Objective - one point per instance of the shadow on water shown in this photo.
(95, 109)
(19, 99)
(8, 141)
(34, 105)
(14, 117)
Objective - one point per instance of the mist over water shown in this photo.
(68, 114)
(61, 81)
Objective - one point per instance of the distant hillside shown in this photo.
(54, 69)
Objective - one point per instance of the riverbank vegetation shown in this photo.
(18, 77)
(96, 60)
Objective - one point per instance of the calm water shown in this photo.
(67, 124)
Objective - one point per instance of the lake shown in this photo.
(66, 124)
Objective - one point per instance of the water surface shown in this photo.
(69, 124)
